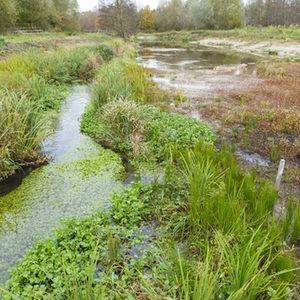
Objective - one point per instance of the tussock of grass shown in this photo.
(20, 132)
(124, 79)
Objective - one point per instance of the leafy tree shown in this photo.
(35, 13)
(88, 20)
(222, 14)
(7, 14)
(66, 15)
(147, 19)
(273, 12)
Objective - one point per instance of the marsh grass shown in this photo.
(33, 83)
(20, 132)
(124, 79)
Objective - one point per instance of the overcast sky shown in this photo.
(90, 4)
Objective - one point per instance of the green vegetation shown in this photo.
(205, 231)
(140, 131)
(39, 14)
(143, 132)
(32, 84)
(249, 33)
(191, 249)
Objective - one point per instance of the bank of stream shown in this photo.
(79, 179)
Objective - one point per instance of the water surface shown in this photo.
(192, 59)
(79, 179)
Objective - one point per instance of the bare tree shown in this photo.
(119, 16)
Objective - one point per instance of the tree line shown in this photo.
(44, 14)
(123, 17)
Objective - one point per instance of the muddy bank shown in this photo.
(280, 49)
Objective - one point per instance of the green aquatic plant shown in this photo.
(94, 255)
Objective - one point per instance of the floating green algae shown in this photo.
(79, 180)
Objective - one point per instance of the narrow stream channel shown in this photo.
(82, 175)
(79, 179)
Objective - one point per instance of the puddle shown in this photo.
(191, 59)
(201, 73)
(79, 179)
(253, 159)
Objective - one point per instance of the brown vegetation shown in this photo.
(265, 118)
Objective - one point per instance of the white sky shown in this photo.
(85, 5)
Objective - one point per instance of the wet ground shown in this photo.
(203, 76)
(201, 73)
(79, 179)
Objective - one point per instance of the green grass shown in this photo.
(143, 132)
(32, 84)
(21, 132)
(93, 257)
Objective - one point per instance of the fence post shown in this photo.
(280, 173)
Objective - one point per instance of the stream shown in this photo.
(81, 175)
(79, 179)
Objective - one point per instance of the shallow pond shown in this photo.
(192, 59)
(79, 179)
(203, 73)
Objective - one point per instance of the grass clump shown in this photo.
(21, 132)
(142, 131)
(124, 79)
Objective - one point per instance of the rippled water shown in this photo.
(79, 179)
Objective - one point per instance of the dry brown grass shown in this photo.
(268, 113)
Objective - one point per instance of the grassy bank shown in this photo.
(251, 34)
(206, 231)
(142, 132)
(33, 85)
